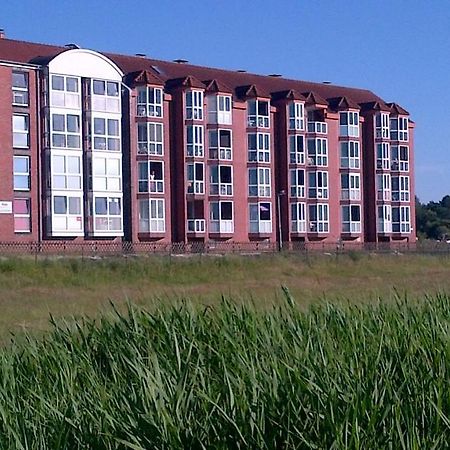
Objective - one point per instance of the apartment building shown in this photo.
(97, 146)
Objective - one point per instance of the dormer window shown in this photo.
(194, 105)
(349, 123)
(296, 116)
(149, 102)
(258, 113)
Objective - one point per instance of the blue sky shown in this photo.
(398, 49)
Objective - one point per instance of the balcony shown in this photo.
(221, 226)
(262, 226)
(196, 225)
(317, 127)
(351, 227)
(298, 226)
(350, 194)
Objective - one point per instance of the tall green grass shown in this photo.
(234, 377)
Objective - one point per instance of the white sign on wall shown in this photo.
(5, 207)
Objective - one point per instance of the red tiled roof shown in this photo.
(189, 81)
(376, 106)
(312, 98)
(25, 52)
(290, 94)
(144, 77)
(338, 103)
(251, 90)
(397, 109)
(217, 86)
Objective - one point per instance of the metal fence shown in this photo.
(113, 248)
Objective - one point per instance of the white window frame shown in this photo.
(104, 179)
(109, 218)
(298, 217)
(317, 152)
(296, 116)
(382, 126)
(383, 156)
(20, 94)
(350, 224)
(149, 101)
(19, 216)
(68, 221)
(112, 142)
(194, 105)
(66, 175)
(401, 194)
(318, 184)
(150, 183)
(195, 141)
(262, 176)
(216, 185)
(215, 149)
(398, 160)
(399, 128)
(349, 123)
(403, 224)
(25, 131)
(217, 223)
(152, 215)
(318, 218)
(106, 102)
(68, 135)
(384, 222)
(254, 118)
(22, 175)
(257, 222)
(297, 149)
(150, 138)
(298, 187)
(195, 185)
(350, 154)
(383, 186)
(67, 97)
(350, 186)
(260, 152)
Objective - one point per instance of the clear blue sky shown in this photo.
(399, 49)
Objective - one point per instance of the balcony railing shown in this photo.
(351, 227)
(298, 226)
(221, 226)
(262, 226)
(196, 225)
(317, 127)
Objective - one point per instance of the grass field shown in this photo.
(367, 376)
(30, 291)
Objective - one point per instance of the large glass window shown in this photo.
(400, 158)
(149, 102)
(349, 123)
(105, 96)
(21, 130)
(260, 217)
(219, 144)
(22, 215)
(221, 180)
(195, 178)
(194, 141)
(194, 105)
(152, 216)
(297, 177)
(150, 138)
(318, 218)
(399, 128)
(67, 215)
(219, 109)
(151, 176)
(401, 219)
(297, 149)
(258, 113)
(318, 184)
(20, 88)
(400, 189)
(258, 147)
(298, 217)
(351, 218)
(350, 186)
(65, 92)
(65, 131)
(66, 172)
(382, 126)
(259, 182)
(350, 157)
(318, 152)
(384, 224)
(221, 217)
(107, 214)
(383, 158)
(21, 173)
(296, 116)
(384, 186)
(106, 134)
(106, 174)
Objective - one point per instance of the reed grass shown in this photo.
(234, 376)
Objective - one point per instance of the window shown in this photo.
(21, 173)
(259, 182)
(297, 182)
(351, 219)
(195, 140)
(318, 218)
(384, 186)
(400, 158)
(106, 134)
(22, 215)
(350, 186)
(150, 138)
(67, 214)
(350, 155)
(258, 147)
(65, 92)
(106, 174)
(317, 152)
(349, 123)
(107, 214)
(298, 217)
(221, 215)
(219, 109)
(194, 105)
(221, 180)
(65, 131)
(260, 217)
(220, 144)
(401, 219)
(149, 102)
(318, 184)
(382, 126)
(297, 149)
(151, 176)
(384, 219)
(151, 216)
(105, 96)
(383, 159)
(400, 189)
(316, 122)
(66, 172)
(296, 116)
(195, 177)
(196, 216)
(399, 128)
(21, 130)
(20, 88)
(258, 113)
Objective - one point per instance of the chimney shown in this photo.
(2, 33)
(180, 61)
